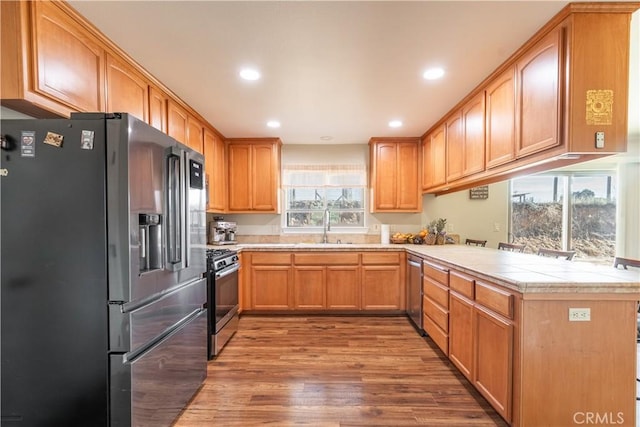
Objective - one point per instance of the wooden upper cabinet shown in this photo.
(473, 115)
(539, 74)
(177, 126)
(215, 171)
(500, 119)
(69, 62)
(127, 90)
(455, 147)
(195, 134)
(434, 158)
(599, 82)
(254, 175)
(386, 177)
(395, 164)
(158, 109)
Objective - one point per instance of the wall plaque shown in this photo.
(599, 107)
(481, 192)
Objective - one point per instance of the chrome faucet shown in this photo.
(326, 225)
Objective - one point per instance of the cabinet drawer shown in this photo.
(381, 258)
(437, 335)
(334, 258)
(271, 258)
(461, 283)
(439, 315)
(437, 272)
(436, 292)
(495, 299)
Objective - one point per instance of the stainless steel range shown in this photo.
(222, 295)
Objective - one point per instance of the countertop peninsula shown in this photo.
(524, 273)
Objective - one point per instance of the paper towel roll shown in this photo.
(384, 234)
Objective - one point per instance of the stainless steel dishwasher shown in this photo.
(414, 291)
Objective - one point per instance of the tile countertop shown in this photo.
(525, 273)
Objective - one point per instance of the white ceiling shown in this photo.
(339, 69)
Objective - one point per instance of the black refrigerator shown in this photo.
(103, 239)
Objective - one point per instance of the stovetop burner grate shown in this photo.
(218, 252)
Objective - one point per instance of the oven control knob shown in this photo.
(223, 263)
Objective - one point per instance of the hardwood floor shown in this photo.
(330, 371)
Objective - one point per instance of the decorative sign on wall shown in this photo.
(599, 107)
(479, 192)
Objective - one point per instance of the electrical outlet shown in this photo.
(599, 139)
(496, 226)
(579, 314)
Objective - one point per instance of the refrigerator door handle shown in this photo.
(175, 211)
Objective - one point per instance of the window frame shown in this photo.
(567, 201)
(327, 170)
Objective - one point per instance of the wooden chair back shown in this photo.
(568, 255)
(513, 247)
(475, 242)
(625, 262)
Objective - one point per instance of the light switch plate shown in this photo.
(599, 139)
(579, 314)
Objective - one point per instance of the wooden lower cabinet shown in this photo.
(271, 287)
(343, 290)
(461, 336)
(382, 288)
(331, 281)
(493, 345)
(310, 289)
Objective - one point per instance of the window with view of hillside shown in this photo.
(567, 212)
(311, 190)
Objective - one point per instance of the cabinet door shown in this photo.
(271, 287)
(177, 126)
(127, 91)
(386, 176)
(69, 62)
(343, 287)
(195, 133)
(434, 159)
(455, 147)
(461, 333)
(500, 117)
(157, 109)
(215, 169)
(494, 356)
(239, 177)
(309, 290)
(265, 170)
(473, 124)
(381, 288)
(538, 99)
(408, 196)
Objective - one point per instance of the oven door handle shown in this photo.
(227, 271)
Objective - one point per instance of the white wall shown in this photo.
(473, 219)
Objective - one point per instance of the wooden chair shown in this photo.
(625, 262)
(475, 242)
(513, 247)
(568, 255)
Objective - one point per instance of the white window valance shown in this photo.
(314, 176)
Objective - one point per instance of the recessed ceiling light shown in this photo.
(433, 73)
(395, 124)
(273, 124)
(326, 138)
(249, 74)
